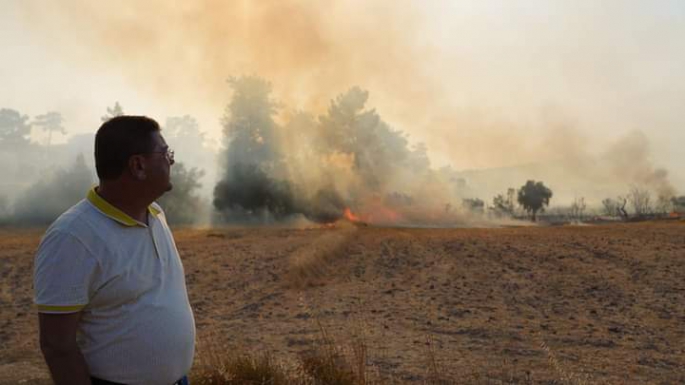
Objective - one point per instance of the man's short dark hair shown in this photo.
(118, 139)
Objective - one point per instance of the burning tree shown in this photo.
(348, 158)
(533, 196)
(378, 150)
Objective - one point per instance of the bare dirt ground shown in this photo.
(604, 304)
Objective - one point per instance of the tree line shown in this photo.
(261, 175)
(44, 190)
(534, 197)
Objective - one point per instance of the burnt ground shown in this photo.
(574, 304)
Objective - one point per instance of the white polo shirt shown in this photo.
(126, 277)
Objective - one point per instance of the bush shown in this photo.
(48, 198)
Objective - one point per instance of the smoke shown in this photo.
(630, 160)
(173, 49)
(469, 81)
(575, 166)
(47, 198)
(345, 162)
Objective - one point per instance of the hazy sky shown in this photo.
(483, 83)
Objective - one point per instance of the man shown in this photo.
(109, 284)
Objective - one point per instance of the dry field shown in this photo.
(584, 304)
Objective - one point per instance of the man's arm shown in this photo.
(58, 344)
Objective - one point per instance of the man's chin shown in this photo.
(169, 188)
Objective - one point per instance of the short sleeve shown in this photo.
(64, 272)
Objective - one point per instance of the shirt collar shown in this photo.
(114, 213)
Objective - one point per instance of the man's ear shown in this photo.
(136, 165)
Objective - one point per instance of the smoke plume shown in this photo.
(471, 81)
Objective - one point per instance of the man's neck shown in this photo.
(123, 199)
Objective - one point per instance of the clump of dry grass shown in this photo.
(436, 373)
(566, 375)
(328, 364)
(242, 369)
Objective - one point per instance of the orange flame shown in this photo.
(350, 216)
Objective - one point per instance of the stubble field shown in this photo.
(581, 304)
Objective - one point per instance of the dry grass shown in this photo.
(331, 363)
(410, 306)
(311, 264)
(326, 364)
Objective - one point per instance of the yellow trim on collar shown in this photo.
(113, 212)
(153, 210)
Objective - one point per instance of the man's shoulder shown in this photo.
(156, 207)
(73, 217)
(158, 211)
(80, 222)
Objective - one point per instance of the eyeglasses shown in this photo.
(168, 153)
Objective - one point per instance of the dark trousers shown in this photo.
(97, 381)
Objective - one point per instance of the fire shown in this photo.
(377, 214)
(350, 216)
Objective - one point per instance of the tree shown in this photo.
(664, 204)
(249, 125)
(610, 207)
(255, 177)
(678, 203)
(474, 205)
(113, 112)
(640, 199)
(378, 150)
(50, 122)
(183, 133)
(183, 128)
(534, 196)
(622, 201)
(504, 205)
(43, 202)
(14, 129)
(181, 205)
(578, 208)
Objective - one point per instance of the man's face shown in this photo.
(158, 165)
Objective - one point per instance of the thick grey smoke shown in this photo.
(348, 159)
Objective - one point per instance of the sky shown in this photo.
(484, 84)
